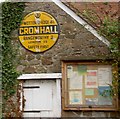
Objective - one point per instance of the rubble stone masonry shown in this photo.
(74, 43)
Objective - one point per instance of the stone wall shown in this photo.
(74, 43)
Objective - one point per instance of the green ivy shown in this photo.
(11, 18)
(108, 27)
(111, 31)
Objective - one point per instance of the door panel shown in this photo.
(38, 99)
(43, 98)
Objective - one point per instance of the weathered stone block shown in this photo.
(29, 69)
(46, 60)
(20, 68)
(38, 56)
(24, 62)
(87, 114)
(30, 57)
(98, 114)
(40, 69)
(34, 62)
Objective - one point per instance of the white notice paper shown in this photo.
(104, 76)
(75, 81)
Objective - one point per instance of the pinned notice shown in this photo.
(104, 76)
(82, 69)
(89, 92)
(75, 97)
(75, 81)
(91, 79)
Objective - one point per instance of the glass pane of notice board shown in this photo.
(89, 84)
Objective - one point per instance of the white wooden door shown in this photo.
(41, 98)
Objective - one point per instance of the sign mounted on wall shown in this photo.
(39, 31)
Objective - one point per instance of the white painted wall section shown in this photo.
(81, 21)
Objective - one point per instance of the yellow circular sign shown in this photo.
(38, 31)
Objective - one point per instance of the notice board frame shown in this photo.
(65, 97)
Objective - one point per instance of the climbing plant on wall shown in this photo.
(11, 17)
(105, 19)
(108, 25)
